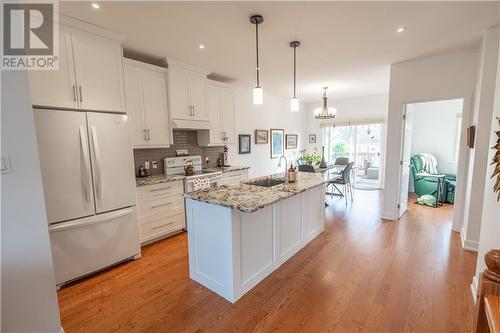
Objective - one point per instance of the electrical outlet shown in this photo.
(155, 164)
(146, 164)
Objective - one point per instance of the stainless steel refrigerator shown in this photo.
(89, 184)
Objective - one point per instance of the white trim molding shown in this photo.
(473, 288)
(468, 244)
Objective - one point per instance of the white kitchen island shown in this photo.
(240, 234)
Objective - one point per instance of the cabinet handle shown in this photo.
(74, 93)
(161, 205)
(193, 111)
(145, 134)
(81, 95)
(149, 136)
(162, 225)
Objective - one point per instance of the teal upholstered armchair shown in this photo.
(425, 183)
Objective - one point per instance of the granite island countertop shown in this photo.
(250, 198)
(152, 180)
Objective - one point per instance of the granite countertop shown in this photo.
(229, 168)
(152, 180)
(250, 198)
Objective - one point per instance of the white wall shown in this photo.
(446, 76)
(29, 300)
(490, 219)
(483, 109)
(355, 110)
(435, 131)
(274, 113)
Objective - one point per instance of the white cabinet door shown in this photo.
(112, 161)
(197, 96)
(99, 73)
(179, 107)
(214, 114)
(154, 88)
(135, 108)
(227, 114)
(65, 164)
(56, 88)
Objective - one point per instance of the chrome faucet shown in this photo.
(286, 165)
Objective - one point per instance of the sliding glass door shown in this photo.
(361, 144)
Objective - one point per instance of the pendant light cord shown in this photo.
(294, 72)
(257, 52)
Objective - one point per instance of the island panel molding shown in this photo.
(231, 251)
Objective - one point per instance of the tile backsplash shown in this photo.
(182, 139)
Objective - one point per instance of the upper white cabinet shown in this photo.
(90, 75)
(221, 114)
(187, 94)
(146, 93)
(99, 73)
(58, 87)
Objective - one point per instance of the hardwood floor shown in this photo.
(361, 275)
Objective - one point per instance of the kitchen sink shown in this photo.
(269, 182)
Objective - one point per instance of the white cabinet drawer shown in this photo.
(146, 218)
(162, 189)
(159, 205)
(161, 226)
(233, 177)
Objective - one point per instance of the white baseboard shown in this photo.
(391, 216)
(468, 244)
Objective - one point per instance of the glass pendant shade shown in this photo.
(258, 96)
(294, 104)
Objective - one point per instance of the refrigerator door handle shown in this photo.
(91, 220)
(86, 161)
(97, 157)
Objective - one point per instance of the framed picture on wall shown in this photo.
(312, 138)
(291, 141)
(244, 143)
(261, 136)
(277, 142)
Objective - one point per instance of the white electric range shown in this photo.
(176, 165)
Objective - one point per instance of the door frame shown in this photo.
(463, 153)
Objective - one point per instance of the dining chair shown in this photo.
(345, 180)
(341, 161)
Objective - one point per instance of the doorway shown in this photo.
(432, 134)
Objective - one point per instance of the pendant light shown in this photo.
(294, 102)
(325, 112)
(258, 94)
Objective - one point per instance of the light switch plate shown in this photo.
(155, 164)
(146, 165)
(5, 165)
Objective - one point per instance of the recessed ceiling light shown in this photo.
(95, 5)
(201, 46)
(401, 30)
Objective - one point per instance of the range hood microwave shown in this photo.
(190, 124)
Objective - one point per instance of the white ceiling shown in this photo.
(347, 46)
